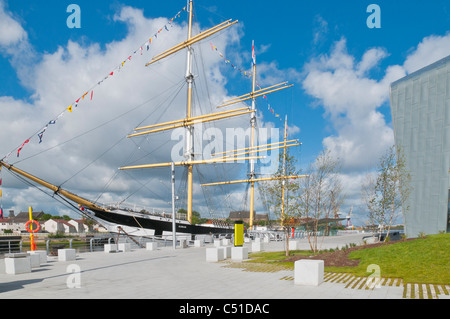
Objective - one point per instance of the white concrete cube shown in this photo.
(151, 246)
(239, 253)
(35, 260)
(199, 243)
(226, 251)
(124, 247)
(41, 253)
(183, 243)
(246, 240)
(17, 265)
(66, 254)
(293, 245)
(308, 272)
(225, 241)
(257, 240)
(257, 246)
(215, 254)
(110, 248)
(266, 239)
(217, 243)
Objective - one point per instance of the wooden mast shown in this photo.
(189, 152)
(284, 171)
(252, 139)
(189, 120)
(56, 189)
(256, 149)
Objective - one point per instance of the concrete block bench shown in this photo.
(41, 253)
(124, 247)
(67, 254)
(226, 251)
(19, 263)
(110, 248)
(183, 243)
(257, 246)
(35, 260)
(239, 253)
(308, 272)
(215, 254)
(151, 245)
(199, 243)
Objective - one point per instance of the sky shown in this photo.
(340, 67)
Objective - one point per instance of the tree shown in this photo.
(286, 211)
(386, 193)
(320, 195)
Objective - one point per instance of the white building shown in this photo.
(59, 226)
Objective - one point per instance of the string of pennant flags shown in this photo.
(246, 74)
(89, 94)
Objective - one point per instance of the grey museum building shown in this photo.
(420, 105)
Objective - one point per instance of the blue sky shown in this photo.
(324, 48)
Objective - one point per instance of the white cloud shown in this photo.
(135, 95)
(351, 101)
(429, 50)
(354, 104)
(11, 32)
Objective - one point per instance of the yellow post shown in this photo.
(32, 243)
(238, 233)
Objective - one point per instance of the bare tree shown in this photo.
(320, 195)
(287, 210)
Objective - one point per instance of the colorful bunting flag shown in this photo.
(140, 48)
(20, 148)
(253, 53)
(41, 134)
(243, 72)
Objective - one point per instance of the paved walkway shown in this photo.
(172, 274)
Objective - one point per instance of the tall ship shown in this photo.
(139, 222)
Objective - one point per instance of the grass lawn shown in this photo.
(417, 261)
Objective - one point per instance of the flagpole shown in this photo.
(252, 140)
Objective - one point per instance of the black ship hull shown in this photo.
(145, 224)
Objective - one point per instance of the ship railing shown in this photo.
(144, 210)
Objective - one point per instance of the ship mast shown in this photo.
(189, 149)
(190, 120)
(256, 149)
(252, 137)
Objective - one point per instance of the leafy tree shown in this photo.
(387, 192)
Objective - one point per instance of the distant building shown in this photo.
(420, 104)
(59, 226)
(244, 215)
(17, 223)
